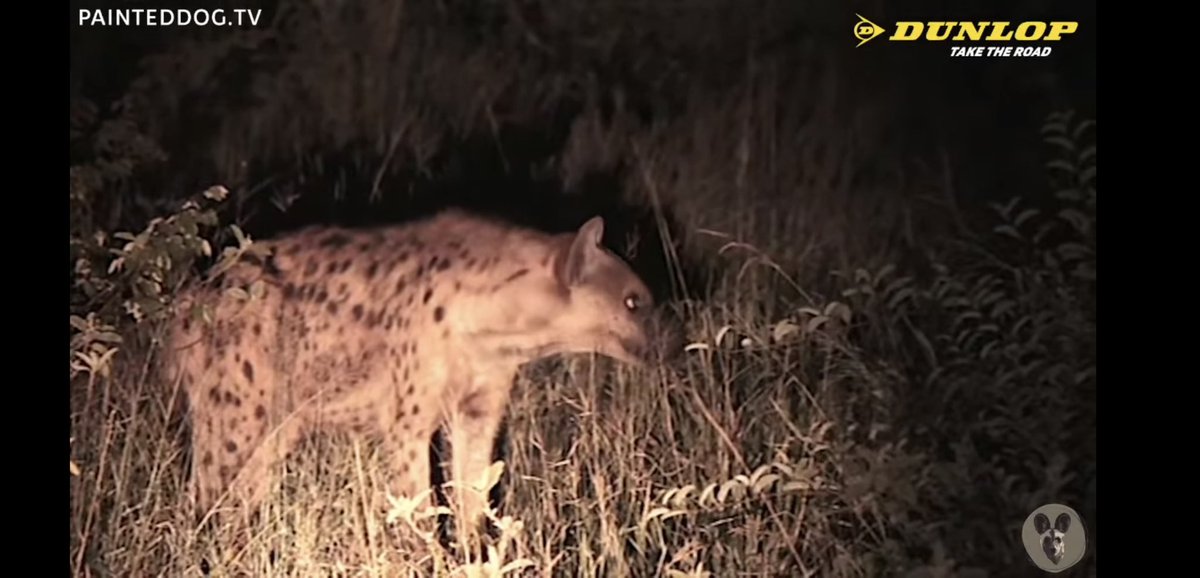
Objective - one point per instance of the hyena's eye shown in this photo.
(632, 302)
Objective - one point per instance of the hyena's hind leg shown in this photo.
(239, 438)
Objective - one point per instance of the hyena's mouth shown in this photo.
(636, 351)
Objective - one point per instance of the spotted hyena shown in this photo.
(393, 332)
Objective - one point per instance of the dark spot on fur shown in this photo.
(230, 446)
(257, 329)
(400, 285)
(372, 269)
(335, 240)
(438, 313)
(215, 394)
(445, 264)
(345, 265)
(420, 272)
(331, 268)
(272, 268)
(428, 295)
(332, 308)
(310, 268)
(471, 406)
(260, 412)
(248, 371)
(357, 312)
(322, 295)
(233, 399)
(289, 291)
(187, 324)
(408, 391)
(208, 459)
(516, 275)
(471, 262)
(416, 409)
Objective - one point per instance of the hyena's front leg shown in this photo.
(406, 436)
(473, 424)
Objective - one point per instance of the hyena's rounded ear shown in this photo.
(592, 231)
(1041, 523)
(1062, 523)
(582, 251)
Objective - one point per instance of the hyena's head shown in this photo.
(589, 300)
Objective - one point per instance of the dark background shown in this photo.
(925, 107)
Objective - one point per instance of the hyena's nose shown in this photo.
(667, 333)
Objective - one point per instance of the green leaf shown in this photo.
(216, 193)
(1008, 231)
(1061, 165)
(1062, 142)
(1025, 216)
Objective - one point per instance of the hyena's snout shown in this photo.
(658, 338)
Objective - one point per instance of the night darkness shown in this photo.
(883, 257)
